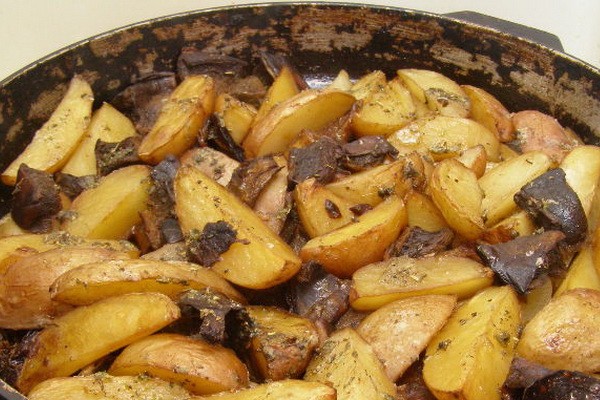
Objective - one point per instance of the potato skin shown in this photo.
(290, 389)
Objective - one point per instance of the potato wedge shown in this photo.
(444, 137)
(474, 158)
(108, 125)
(343, 251)
(536, 299)
(8, 227)
(582, 272)
(502, 182)
(341, 82)
(309, 109)
(489, 112)
(110, 209)
(518, 224)
(200, 367)
(87, 333)
(347, 362)
(436, 90)
(320, 210)
(25, 301)
(98, 280)
(218, 166)
(283, 88)
(564, 334)
(55, 141)
(367, 84)
(422, 212)
(102, 386)
(582, 172)
(399, 331)
(273, 203)
(180, 119)
(384, 110)
(470, 357)
(260, 259)
(235, 115)
(399, 277)
(290, 389)
(456, 193)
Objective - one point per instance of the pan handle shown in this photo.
(536, 35)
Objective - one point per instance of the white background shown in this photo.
(30, 29)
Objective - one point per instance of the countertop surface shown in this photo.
(30, 29)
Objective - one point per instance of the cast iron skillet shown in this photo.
(320, 39)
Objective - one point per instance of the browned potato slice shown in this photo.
(489, 112)
(399, 277)
(470, 357)
(518, 224)
(102, 386)
(436, 90)
(474, 158)
(289, 389)
(281, 344)
(320, 210)
(310, 109)
(399, 331)
(384, 110)
(213, 163)
(56, 140)
(108, 125)
(456, 193)
(87, 333)
(372, 185)
(502, 182)
(564, 334)
(283, 88)
(259, 259)
(367, 84)
(202, 368)
(98, 280)
(444, 137)
(25, 301)
(110, 209)
(582, 172)
(343, 251)
(235, 115)
(180, 119)
(582, 272)
(422, 212)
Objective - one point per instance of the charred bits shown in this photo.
(215, 239)
(520, 260)
(318, 160)
(554, 205)
(218, 137)
(112, 156)
(367, 152)
(564, 385)
(249, 179)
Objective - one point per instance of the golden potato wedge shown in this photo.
(474, 158)
(564, 334)
(347, 362)
(55, 141)
(180, 119)
(290, 389)
(320, 210)
(582, 272)
(470, 357)
(25, 301)
(536, 299)
(280, 344)
(436, 90)
(200, 367)
(8, 227)
(372, 185)
(85, 334)
(444, 137)
(515, 225)
(108, 125)
(399, 331)
(506, 152)
(110, 209)
(309, 109)
(341, 82)
(456, 193)
(582, 172)
(102, 386)
(218, 166)
(384, 110)
(235, 115)
(98, 280)
(343, 251)
(283, 88)
(399, 277)
(260, 259)
(367, 84)
(489, 112)
(500, 184)
(422, 212)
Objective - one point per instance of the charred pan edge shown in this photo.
(319, 39)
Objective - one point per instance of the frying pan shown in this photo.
(319, 39)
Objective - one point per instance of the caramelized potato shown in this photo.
(289, 389)
(235, 115)
(88, 333)
(56, 140)
(582, 272)
(422, 212)
(399, 331)
(343, 251)
(370, 83)
(470, 357)
(489, 112)
(518, 224)
(110, 209)
(347, 362)
(474, 158)
(399, 277)
(283, 88)
(200, 367)
(180, 119)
